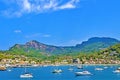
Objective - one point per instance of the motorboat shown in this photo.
(83, 73)
(79, 67)
(26, 75)
(117, 70)
(57, 71)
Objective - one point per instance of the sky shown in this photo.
(57, 22)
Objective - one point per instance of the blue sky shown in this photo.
(57, 22)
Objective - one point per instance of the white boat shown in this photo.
(79, 67)
(57, 71)
(99, 69)
(83, 73)
(35, 65)
(26, 75)
(117, 70)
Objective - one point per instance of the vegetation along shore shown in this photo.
(94, 51)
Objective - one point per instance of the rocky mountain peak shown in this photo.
(34, 44)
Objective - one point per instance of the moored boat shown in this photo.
(26, 75)
(57, 71)
(79, 67)
(83, 73)
(117, 70)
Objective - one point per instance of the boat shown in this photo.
(117, 70)
(83, 73)
(35, 65)
(26, 75)
(79, 67)
(99, 69)
(57, 71)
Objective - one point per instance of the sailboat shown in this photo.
(26, 75)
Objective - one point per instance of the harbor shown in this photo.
(46, 73)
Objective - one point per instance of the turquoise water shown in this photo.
(45, 73)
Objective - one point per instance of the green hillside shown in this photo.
(35, 48)
(95, 50)
(112, 51)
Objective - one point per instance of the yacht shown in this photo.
(83, 73)
(117, 70)
(26, 75)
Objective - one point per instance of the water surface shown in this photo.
(45, 73)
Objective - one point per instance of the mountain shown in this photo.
(112, 51)
(35, 48)
(97, 43)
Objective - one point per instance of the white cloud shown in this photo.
(17, 31)
(21, 7)
(69, 5)
(51, 4)
(26, 5)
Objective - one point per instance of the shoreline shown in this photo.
(46, 65)
(87, 64)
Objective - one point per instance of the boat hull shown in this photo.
(26, 76)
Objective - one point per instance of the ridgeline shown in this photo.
(93, 51)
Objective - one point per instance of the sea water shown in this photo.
(45, 73)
